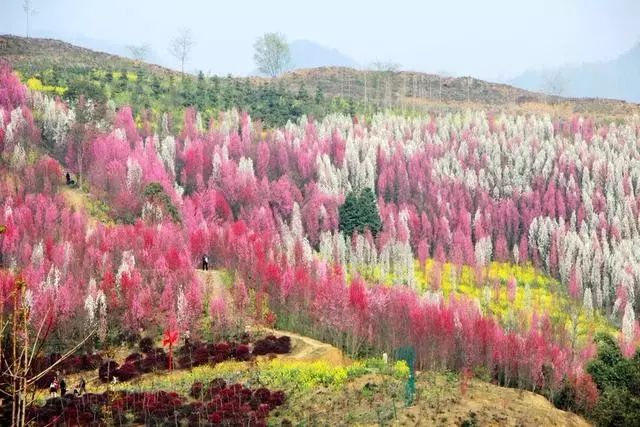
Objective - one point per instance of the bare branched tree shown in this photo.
(555, 83)
(364, 72)
(139, 52)
(18, 359)
(180, 47)
(29, 10)
(386, 69)
(385, 66)
(19, 351)
(272, 54)
(443, 76)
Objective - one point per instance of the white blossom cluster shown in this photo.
(359, 254)
(67, 256)
(15, 145)
(357, 171)
(167, 153)
(37, 254)
(333, 247)
(292, 235)
(127, 265)
(16, 124)
(483, 250)
(151, 212)
(96, 306)
(57, 119)
(164, 125)
(199, 123)
(628, 324)
(182, 309)
(245, 167)
(134, 174)
(52, 281)
(230, 121)
(362, 253)
(397, 259)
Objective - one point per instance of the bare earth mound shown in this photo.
(374, 400)
(489, 405)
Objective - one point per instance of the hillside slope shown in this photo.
(484, 404)
(403, 90)
(39, 54)
(408, 90)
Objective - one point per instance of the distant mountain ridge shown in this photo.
(308, 54)
(615, 79)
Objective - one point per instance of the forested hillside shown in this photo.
(63, 69)
(450, 247)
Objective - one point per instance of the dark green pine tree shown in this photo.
(369, 215)
(360, 212)
(349, 214)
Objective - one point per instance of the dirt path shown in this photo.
(302, 348)
(310, 350)
(213, 284)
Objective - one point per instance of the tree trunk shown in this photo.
(79, 178)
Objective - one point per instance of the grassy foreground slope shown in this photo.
(323, 394)
(324, 388)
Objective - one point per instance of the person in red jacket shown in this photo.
(53, 387)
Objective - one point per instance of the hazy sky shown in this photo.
(487, 39)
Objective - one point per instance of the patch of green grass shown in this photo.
(98, 210)
(289, 375)
(227, 277)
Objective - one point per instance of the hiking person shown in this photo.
(81, 387)
(63, 387)
(187, 338)
(205, 262)
(53, 387)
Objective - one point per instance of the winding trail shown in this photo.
(302, 347)
(213, 285)
(311, 350)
